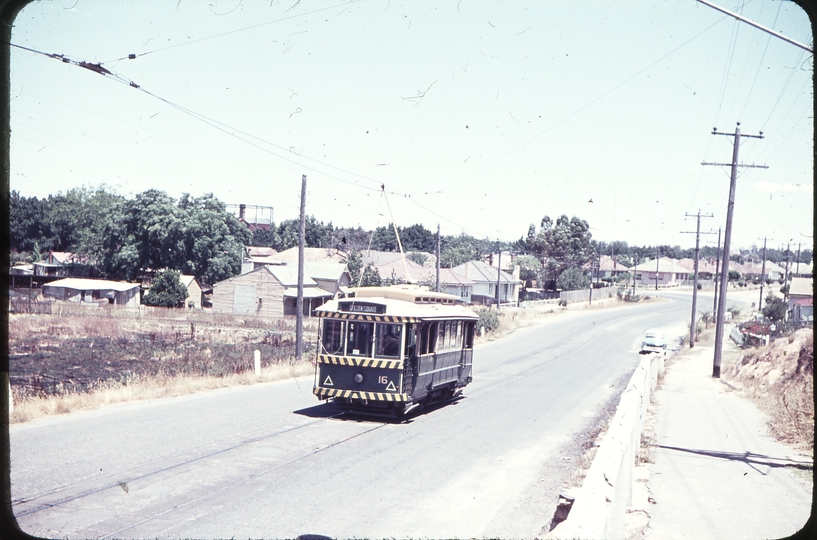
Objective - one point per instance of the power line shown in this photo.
(593, 101)
(133, 56)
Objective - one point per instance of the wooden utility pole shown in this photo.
(656, 267)
(762, 276)
(695, 276)
(299, 318)
(727, 237)
(717, 272)
(797, 271)
(498, 276)
(786, 276)
(437, 288)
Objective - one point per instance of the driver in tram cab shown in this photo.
(391, 344)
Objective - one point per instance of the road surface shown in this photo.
(269, 460)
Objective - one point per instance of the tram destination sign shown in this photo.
(362, 307)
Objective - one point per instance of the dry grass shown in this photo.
(62, 364)
(27, 408)
(779, 378)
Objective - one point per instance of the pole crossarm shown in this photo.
(753, 166)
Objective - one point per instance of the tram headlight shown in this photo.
(358, 378)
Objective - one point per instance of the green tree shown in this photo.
(572, 279)
(775, 308)
(371, 276)
(417, 257)
(560, 245)
(529, 267)
(166, 290)
(456, 250)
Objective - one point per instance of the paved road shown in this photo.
(271, 461)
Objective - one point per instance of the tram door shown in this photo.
(410, 361)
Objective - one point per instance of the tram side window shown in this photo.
(441, 343)
(469, 334)
(359, 339)
(387, 340)
(332, 338)
(429, 339)
(458, 342)
(412, 337)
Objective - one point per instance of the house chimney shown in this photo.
(242, 208)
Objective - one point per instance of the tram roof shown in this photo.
(394, 309)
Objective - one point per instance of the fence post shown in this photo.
(257, 362)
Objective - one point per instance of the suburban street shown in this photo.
(270, 460)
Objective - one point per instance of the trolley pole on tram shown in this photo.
(299, 304)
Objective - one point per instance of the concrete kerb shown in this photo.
(600, 507)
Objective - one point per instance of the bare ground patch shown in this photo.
(62, 364)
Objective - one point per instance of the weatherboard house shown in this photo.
(94, 291)
(272, 291)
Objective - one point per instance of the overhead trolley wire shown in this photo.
(592, 102)
(133, 56)
(225, 128)
(762, 57)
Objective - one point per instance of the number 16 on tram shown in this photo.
(391, 349)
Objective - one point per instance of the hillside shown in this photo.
(780, 379)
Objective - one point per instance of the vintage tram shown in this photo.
(388, 350)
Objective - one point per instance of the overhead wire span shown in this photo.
(592, 102)
(225, 128)
(760, 64)
(133, 56)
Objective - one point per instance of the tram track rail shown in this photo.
(237, 483)
(120, 482)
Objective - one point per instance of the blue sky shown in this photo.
(481, 116)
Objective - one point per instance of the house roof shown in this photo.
(65, 257)
(287, 275)
(321, 270)
(311, 254)
(84, 284)
(309, 292)
(448, 276)
(665, 265)
(187, 280)
(482, 272)
(801, 287)
(260, 251)
(266, 259)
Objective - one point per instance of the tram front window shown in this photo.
(332, 338)
(388, 340)
(360, 339)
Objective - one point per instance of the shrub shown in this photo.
(572, 279)
(775, 308)
(166, 290)
(488, 319)
(734, 310)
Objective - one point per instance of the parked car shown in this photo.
(653, 341)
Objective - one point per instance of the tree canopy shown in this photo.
(123, 237)
(166, 290)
